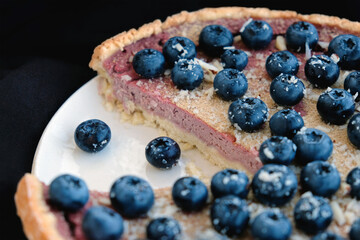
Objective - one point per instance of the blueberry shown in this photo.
(271, 225)
(347, 47)
(187, 74)
(321, 71)
(256, 34)
(131, 196)
(352, 84)
(321, 178)
(336, 106)
(189, 194)
(163, 228)
(248, 114)
(230, 84)
(353, 130)
(299, 34)
(353, 179)
(312, 144)
(327, 236)
(92, 135)
(101, 223)
(177, 48)
(274, 184)
(149, 63)
(230, 182)
(229, 215)
(312, 214)
(286, 122)
(354, 233)
(68, 192)
(281, 62)
(287, 89)
(277, 149)
(234, 58)
(213, 39)
(162, 152)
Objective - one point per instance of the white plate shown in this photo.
(57, 152)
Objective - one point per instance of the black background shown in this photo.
(45, 48)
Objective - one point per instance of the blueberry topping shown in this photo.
(312, 214)
(248, 114)
(353, 130)
(271, 225)
(68, 193)
(353, 179)
(286, 122)
(354, 233)
(162, 152)
(131, 196)
(300, 34)
(187, 74)
(101, 222)
(327, 236)
(163, 228)
(256, 34)
(234, 58)
(336, 106)
(229, 215)
(149, 63)
(352, 84)
(277, 149)
(92, 135)
(312, 144)
(213, 39)
(347, 47)
(321, 71)
(281, 62)
(177, 48)
(230, 182)
(274, 184)
(189, 194)
(287, 89)
(230, 84)
(321, 178)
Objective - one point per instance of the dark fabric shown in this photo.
(45, 48)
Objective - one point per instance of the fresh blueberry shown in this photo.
(163, 228)
(162, 152)
(230, 182)
(92, 135)
(187, 74)
(189, 194)
(336, 106)
(281, 62)
(286, 122)
(271, 225)
(347, 47)
(177, 48)
(312, 214)
(248, 114)
(68, 192)
(274, 184)
(131, 196)
(101, 223)
(327, 236)
(213, 39)
(277, 149)
(353, 130)
(321, 178)
(229, 215)
(230, 84)
(287, 90)
(352, 84)
(354, 233)
(234, 58)
(149, 63)
(353, 179)
(299, 34)
(312, 144)
(321, 71)
(256, 34)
